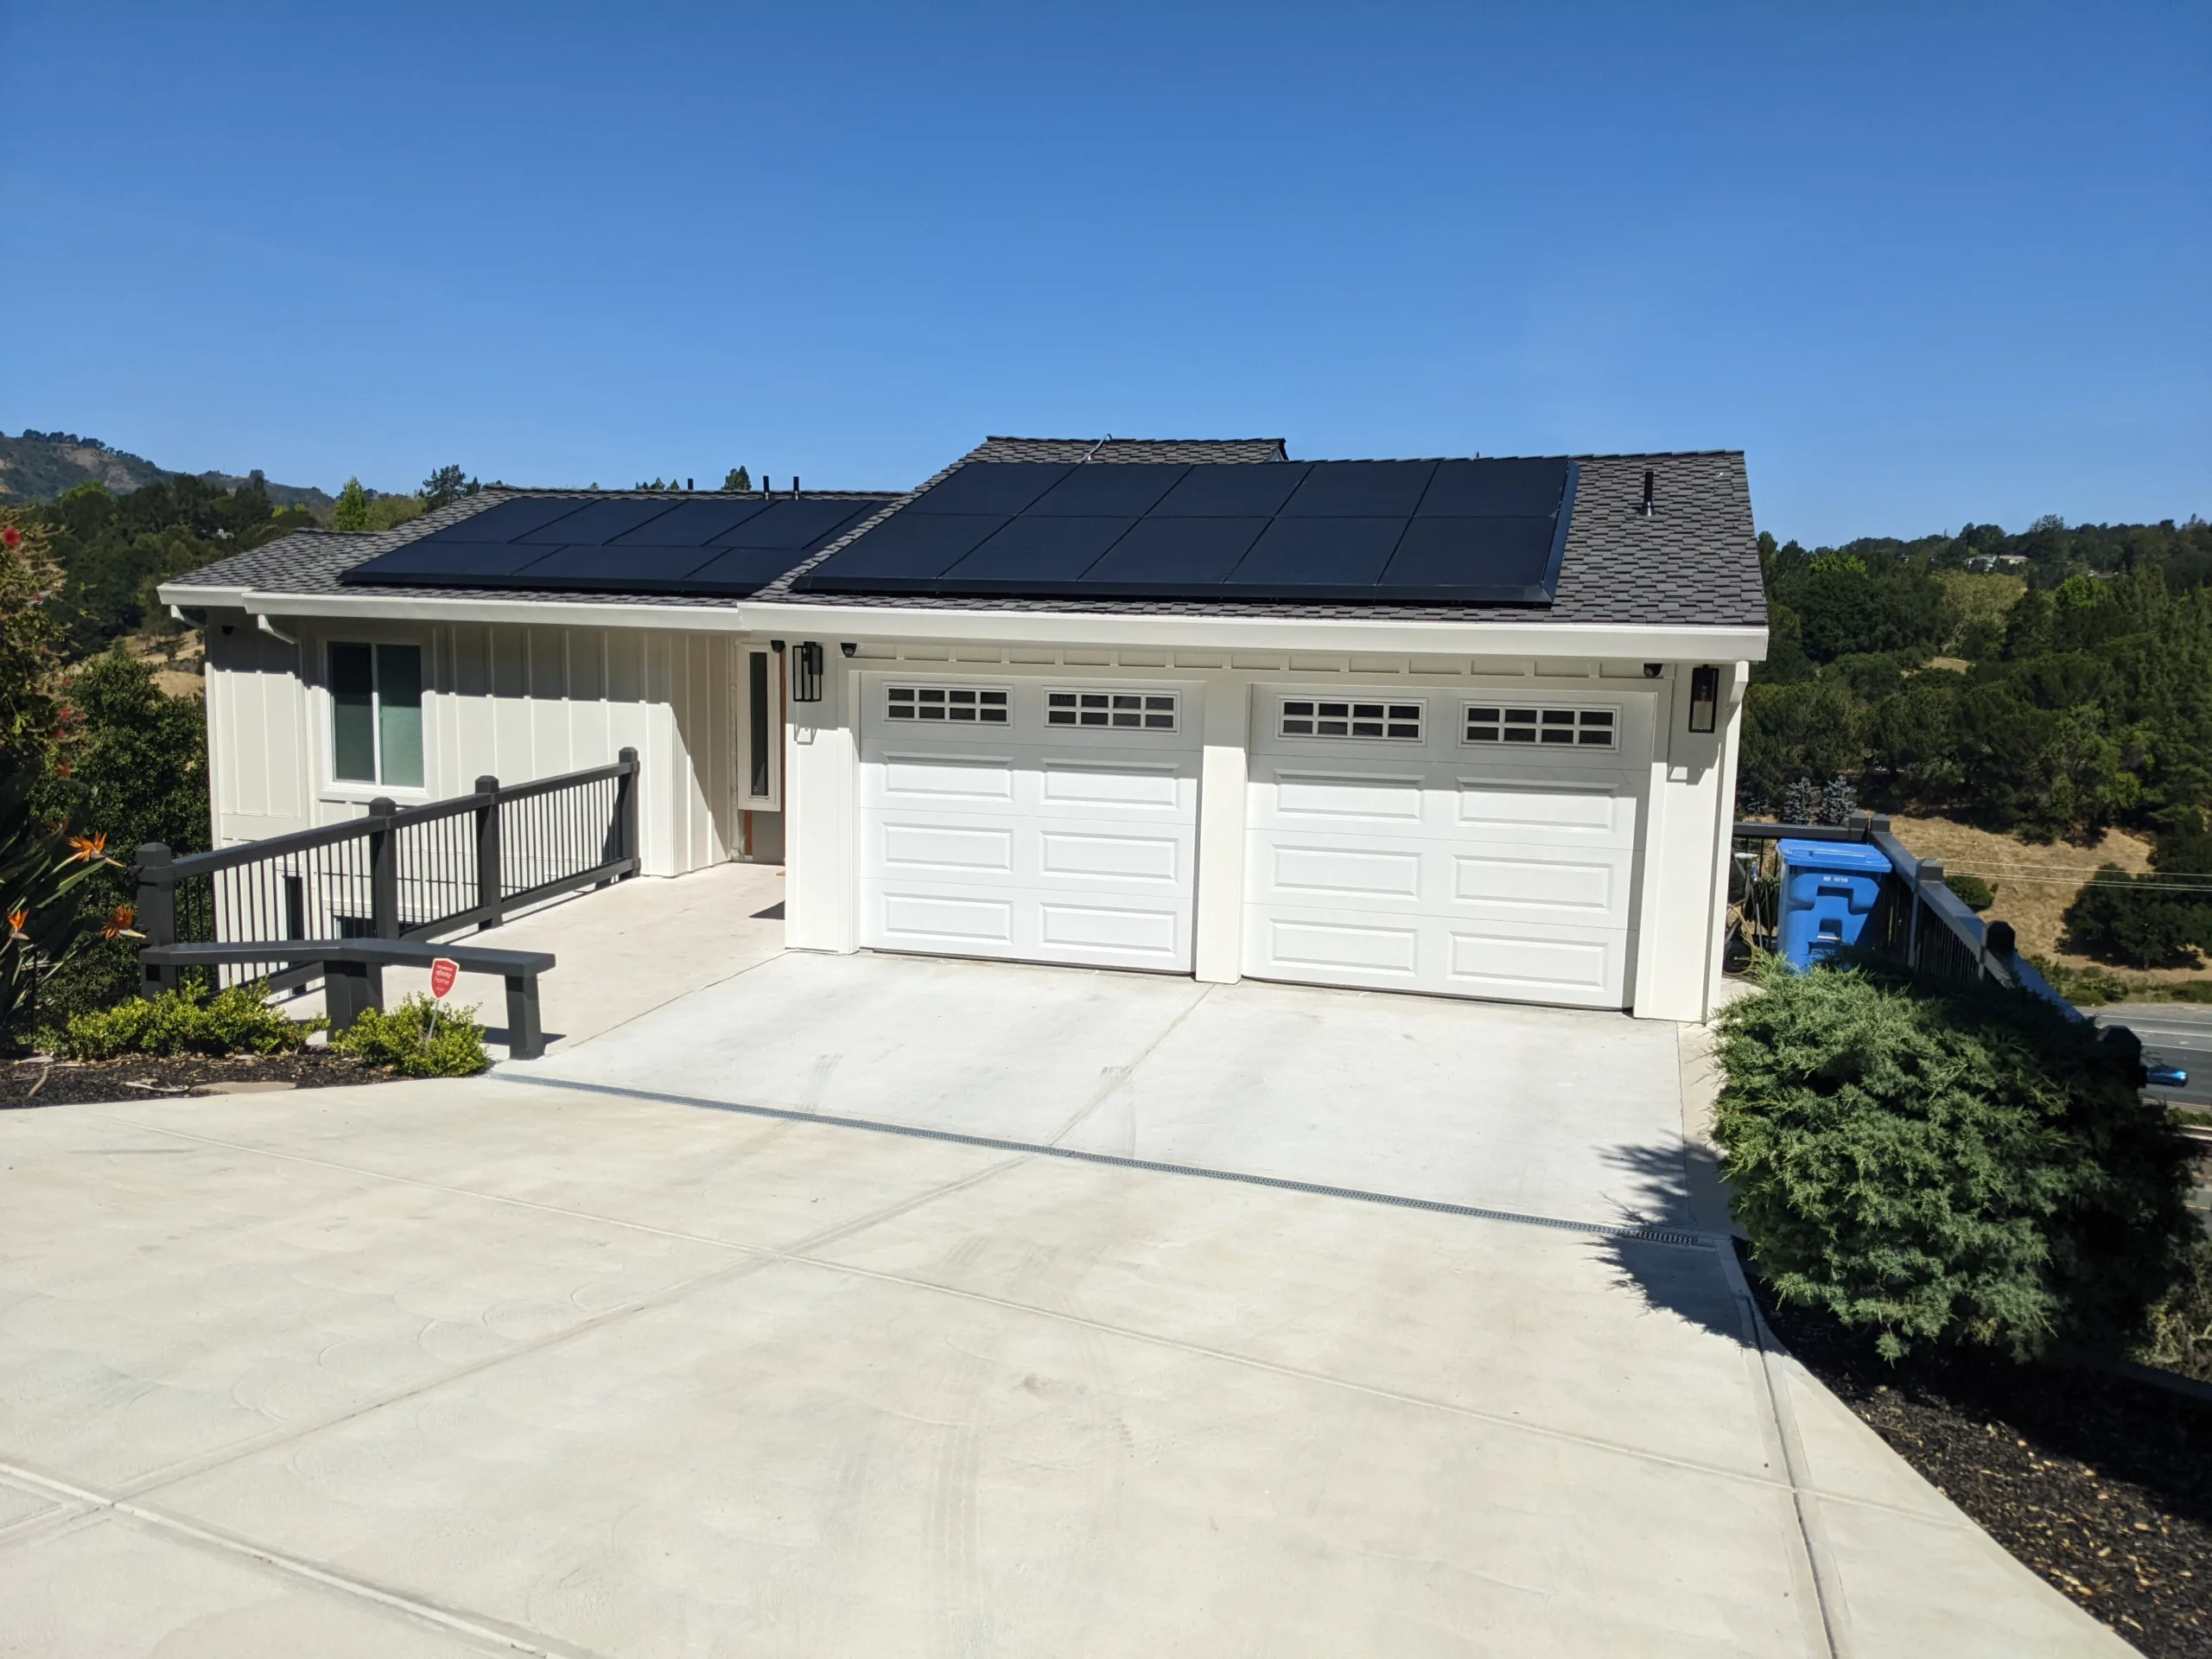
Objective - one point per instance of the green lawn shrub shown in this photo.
(238, 1020)
(1976, 893)
(1947, 1164)
(418, 1038)
(2087, 987)
(2179, 1335)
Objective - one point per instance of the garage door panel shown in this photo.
(1120, 933)
(1590, 812)
(935, 849)
(1550, 967)
(1304, 870)
(1303, 946)
(1089, 784)
(940, 777)
(1074, 856)
(945, 921)
(1589, 889)
(1340, 798)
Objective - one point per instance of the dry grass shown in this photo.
(2034, 883)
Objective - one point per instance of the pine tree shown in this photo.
(352, 511)
(738, 478)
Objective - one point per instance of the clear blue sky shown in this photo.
(1926, 264)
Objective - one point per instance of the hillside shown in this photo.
(41, 466)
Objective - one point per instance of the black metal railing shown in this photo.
(1917, 921)
(411, 873)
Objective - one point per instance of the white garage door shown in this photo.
(1043, 822)
(1472, 843)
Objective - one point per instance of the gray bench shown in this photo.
(353, 973)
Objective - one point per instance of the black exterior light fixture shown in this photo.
(806, 672)
(1705, 697)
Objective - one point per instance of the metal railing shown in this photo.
(411, 873)
(1918, 920)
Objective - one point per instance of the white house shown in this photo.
(1464, 726)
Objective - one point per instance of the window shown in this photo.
(1318, 717)
(1128, 711)
(1581, 729)
(759, 697)
(961, 705)
(376, 715)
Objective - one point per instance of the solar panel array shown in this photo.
(1384, 532)
(718, 545)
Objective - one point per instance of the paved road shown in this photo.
(2173, 1034)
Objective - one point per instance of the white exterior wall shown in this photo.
(513, 702)
(1679, 875)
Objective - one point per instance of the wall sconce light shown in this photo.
(806, 672)
(1705, 697)
(848, 648)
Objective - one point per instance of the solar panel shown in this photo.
(434, 563)
(1360, 489)
(1449, 557)
(1041, 550)
(1254, 490)
(596, 523)
(1484, 489)
(507, 521)
(1000, 487)
(1108, 490)
(905, 552)
(740, 570)
(612, 570)
(794, 523)
(1173, 556)
(1297, 558)
(693, 524)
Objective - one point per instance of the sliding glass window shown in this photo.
(376, 715)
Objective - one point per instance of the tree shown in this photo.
(448, 484)
(2143, 922)
(738, 478)
(29, 580)
(352, 511)
(1791, 731)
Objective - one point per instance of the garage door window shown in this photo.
(1319, 718)
(1581, 729)
(958, 704)
(1128, 711)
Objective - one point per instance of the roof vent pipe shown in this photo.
(1645, 510)
(794, 487)
(687, 483)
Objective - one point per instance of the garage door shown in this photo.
(1042, 822)
(1463, 842)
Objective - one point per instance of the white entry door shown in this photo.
(1474, 843)
(1044, 821)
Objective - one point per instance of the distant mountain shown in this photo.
(39, 466)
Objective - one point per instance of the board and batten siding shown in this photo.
(517, 703)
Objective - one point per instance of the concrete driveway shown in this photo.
(775, 1322)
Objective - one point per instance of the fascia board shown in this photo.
(1674, 643)
(701, 619)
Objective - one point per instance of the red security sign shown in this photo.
(444, 972)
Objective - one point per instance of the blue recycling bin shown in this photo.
(1828, 889)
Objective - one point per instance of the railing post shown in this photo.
(383, 870)
(490, 884)
(154, 913)
(1926, 873)
(626, 806)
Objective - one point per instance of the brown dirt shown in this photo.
(2034, 883)
(63, 1083)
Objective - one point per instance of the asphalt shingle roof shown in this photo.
(1694, 563)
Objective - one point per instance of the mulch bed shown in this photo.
(36, 1082)
(2100, 1483)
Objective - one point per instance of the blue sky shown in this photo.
(1926, 264)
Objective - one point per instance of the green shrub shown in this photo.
(2087, 987)
(2190, 990)
(188, 1021)
(418, 1038)
(2180, 1325)
(1976, 893)
(1947, 1164)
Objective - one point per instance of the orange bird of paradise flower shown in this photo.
(16, 920)
(117, 925)
(84, 848)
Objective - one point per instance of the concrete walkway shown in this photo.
(550, 1364)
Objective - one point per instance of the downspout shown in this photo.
(262, 621)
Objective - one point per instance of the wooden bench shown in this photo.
(353, 973)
